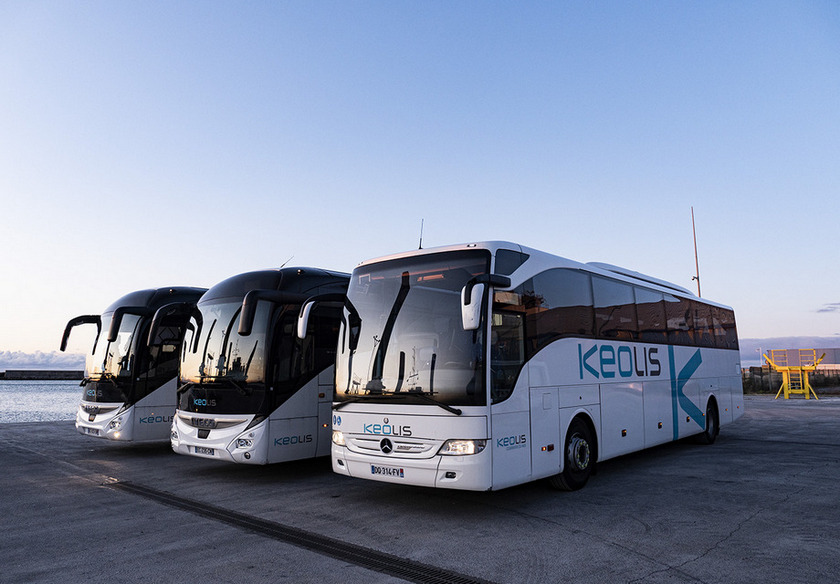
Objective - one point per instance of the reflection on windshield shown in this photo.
(110, 367)
(410, 337)
(114, 359)
(223, 372)
(222, 353)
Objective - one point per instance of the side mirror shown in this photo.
(87, 319)
(471, 306)
(303, 318)
(174, 314)
(336, 300)
(116, 320)
(471, 296)
(249, 305)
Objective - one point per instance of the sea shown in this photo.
(38, 401)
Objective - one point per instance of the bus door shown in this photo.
(510, 423)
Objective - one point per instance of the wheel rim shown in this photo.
(579, 453)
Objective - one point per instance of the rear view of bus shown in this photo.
(486, 365)
(131, 372)
(252, 391)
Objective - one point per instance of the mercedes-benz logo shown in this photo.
(386, 446)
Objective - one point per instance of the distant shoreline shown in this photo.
(41, 375)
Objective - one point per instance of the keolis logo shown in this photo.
(511, 442)
(156, 419)
(386, 429)
(292, 440)
(607, 361)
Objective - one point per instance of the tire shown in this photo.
(579, 462)
(712, 430)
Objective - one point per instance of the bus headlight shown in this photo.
(462, 447)
(244, 443)
(338, 438)
(115, 424)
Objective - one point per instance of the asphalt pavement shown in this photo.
(759, 505)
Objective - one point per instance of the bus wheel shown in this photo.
(712, 424)
(579, 460)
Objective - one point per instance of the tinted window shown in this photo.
(507, 353)
(296, 361)
(723, 321)
(615, 309)
(508, 261)
(703, 331)
(553, 304)
(650, 309)
(567, 303)
(678, 315)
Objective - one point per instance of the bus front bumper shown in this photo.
(228, 444)
(469, 473)
(113, 424)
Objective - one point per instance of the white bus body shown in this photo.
(251, 391)
(561, 365)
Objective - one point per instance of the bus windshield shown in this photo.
(402, 332)
(110, 367)
(221, 371)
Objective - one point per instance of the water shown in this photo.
(38, 401)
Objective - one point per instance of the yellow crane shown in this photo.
(795, 377)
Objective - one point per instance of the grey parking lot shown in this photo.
(760, 505)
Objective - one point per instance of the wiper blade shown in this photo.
(432, 400)
(242, 389)
(108, 377)
(353, 400)
(185, 387)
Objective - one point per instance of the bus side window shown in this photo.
(726, 337)
(650, 308)
(507, 339)
(565, 308)
(615, 309)
(507, 353)
(286, 355)
(680, 326)
(323, 329)
(703, 331)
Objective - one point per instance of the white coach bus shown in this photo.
(251, 391)
(487, 365)
(129, 388)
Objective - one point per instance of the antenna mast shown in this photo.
(421, 234)
(696, 262)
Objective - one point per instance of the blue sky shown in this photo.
(147, 144)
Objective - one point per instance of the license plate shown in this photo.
(204, 450)
(387, 471)
(90, 431)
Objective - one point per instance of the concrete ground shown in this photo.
(760, 505)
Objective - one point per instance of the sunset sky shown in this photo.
(150, 144)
